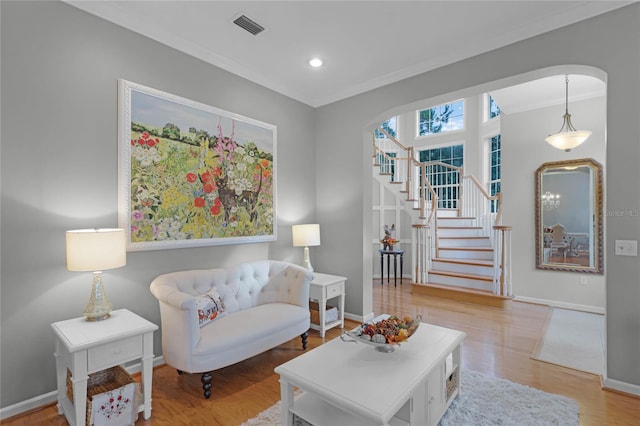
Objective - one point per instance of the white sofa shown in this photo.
(267, 304)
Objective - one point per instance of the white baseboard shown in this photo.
(359, 318)
(617, 385)
(52, 397)
(562, 305)
(29, 404)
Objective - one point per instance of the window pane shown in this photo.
(494, 109)
(495, 168)
(445, 153)
(444, 180)
(441, 118)
(390, 126)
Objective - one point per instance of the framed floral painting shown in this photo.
(192, 175)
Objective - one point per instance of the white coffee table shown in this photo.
(352, 383)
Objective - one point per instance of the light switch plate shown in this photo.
(626, 247)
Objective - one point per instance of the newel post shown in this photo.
(422, 255)
(502, 284)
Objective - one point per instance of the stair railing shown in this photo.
(477, 203)
(393, 158)
(404, 168)
(443, 185)
(445, 180)
(487, 211)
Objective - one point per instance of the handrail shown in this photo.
(447, 179)
(469, 198)
(411, 161)
(440, 163)
(497, 197)
(425, 241)
(391, 138)
(480, 188)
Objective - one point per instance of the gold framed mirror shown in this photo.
(568, 225)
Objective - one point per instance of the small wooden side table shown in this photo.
(388, 254)
(85, 347)
(325, 287)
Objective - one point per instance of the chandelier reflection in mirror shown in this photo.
(550, 201)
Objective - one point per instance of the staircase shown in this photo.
(460, 250)
(463, 266)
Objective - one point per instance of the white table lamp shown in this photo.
(305, 236)
(96, 250)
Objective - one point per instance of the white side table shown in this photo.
(325, 287)
(85, 347)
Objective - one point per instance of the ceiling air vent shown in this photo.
(244, 22)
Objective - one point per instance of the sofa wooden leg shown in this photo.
(180, 371)
(206, 383)
(304, 340)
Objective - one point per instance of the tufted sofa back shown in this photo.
(191, 348)
(241, 286)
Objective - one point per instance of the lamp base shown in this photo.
(99, 305)
(307, 263)
(103, 317)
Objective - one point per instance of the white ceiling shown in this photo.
(364, 44)
(547, 91)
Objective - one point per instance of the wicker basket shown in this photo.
(105, 381)
(314, 309)
(452, 384)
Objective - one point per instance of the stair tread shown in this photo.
(467, 237)
(457, 217)
(473, 262)
(462, 275)
(459, 227)
(466, 248)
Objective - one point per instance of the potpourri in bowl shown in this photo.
(385, 332)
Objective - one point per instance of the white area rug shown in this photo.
(573, 339)
(484, 401)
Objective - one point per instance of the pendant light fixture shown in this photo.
(568, 137)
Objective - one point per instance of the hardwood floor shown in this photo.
(498, 343)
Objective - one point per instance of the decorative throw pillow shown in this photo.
(210, 306)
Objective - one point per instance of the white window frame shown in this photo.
(398, 127)
(447, 132)
(486, 110)
(488, 161)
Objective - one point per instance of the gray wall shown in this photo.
(60, 68)
(610, 42)
(523, 151)
(59, 170)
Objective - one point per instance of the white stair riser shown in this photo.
(436, 278)
(447, 213)
(459, 232)
(486, 271)
(464, 242)
(465, 254)
(443, 221)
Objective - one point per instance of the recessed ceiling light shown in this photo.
(315, 62)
